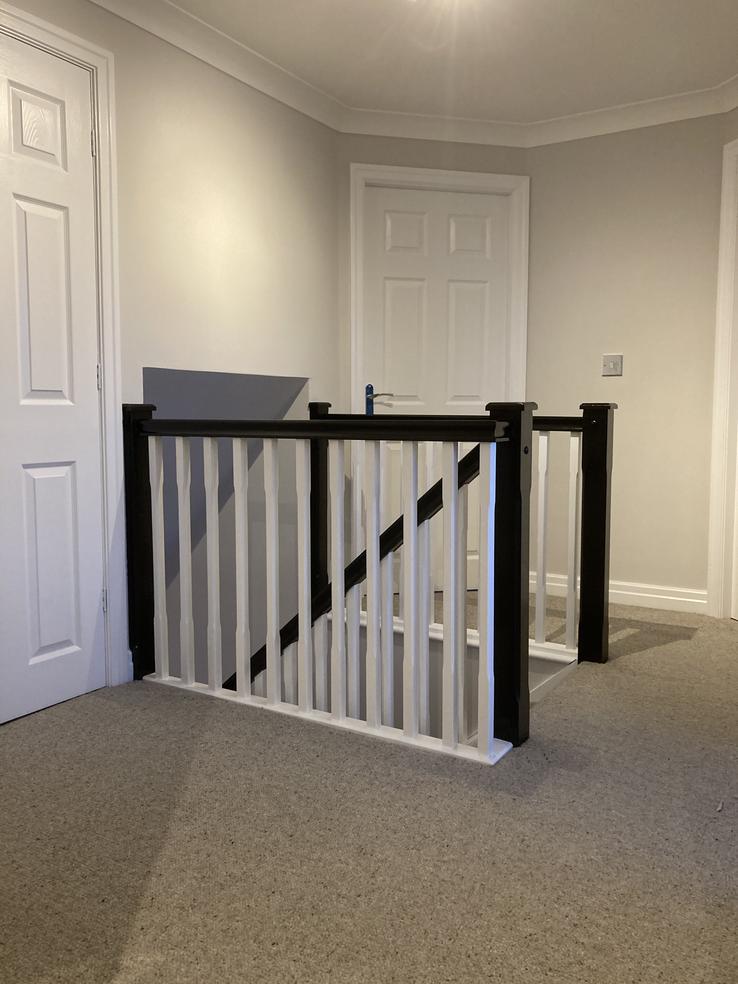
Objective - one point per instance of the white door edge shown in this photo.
(100, 65)
(722, 564)
(516, 186)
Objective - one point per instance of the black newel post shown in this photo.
(319, 502)
(512, 571)
(139, 549)
(594, 601)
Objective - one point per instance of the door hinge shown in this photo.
(93, 142)
(99, 376)
(105, 600)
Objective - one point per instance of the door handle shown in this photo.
(371, 399)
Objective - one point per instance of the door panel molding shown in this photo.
(516, 187)
(99, 63)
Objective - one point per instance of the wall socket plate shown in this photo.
(612, 365)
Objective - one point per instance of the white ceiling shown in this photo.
(511, 61)
(519, 73)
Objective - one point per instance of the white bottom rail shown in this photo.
(423, 742)
(550, 664)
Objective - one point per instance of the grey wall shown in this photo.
(227, 215)
(730, 131)
(234, 257)
(623, 258)
(228, 396)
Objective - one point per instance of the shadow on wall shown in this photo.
(188, 394)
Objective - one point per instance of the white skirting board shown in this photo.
(666, 598)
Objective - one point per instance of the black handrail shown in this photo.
(399, 428)
(570, 425)
(541, 422)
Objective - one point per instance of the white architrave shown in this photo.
(722, 565)
(516, 186)
(99, 63)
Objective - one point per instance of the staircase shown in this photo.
(338, 661)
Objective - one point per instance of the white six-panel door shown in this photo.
(436, 313)
(52, 643)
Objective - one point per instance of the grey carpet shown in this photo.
(153, 835)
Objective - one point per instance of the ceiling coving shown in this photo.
(520, 72)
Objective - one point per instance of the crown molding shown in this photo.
(182, 30)
(169, 22)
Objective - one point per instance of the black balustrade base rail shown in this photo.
(509, 425)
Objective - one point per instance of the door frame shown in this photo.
(100, 66)
(516, 186)
(722, 565)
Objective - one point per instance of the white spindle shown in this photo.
(373, 589)
(161, 629)
(353, 597)
(388, 640)
(450, 681)
(338, 596)
(241, 534)
(425, 604)
(410, 588)
(542, 536)
(304, 589)
(184, 521)
(462, 581)
(423, 629)
(320, 650)
(212, 536)
(289, 660)
(486, 685)
(273, 643)
(384, 484)
(387, 574)
(572, 567)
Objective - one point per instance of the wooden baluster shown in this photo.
(304, 592)
(373, 589)
(462, 580)
(410, 588)
(212, 537)
(338, 595)
(289, 662)
(353, 598)
(186, 624)
(424, 605)
(320, 649)
(542, 532)
(388, 639)
(161, 630)
(450, 675)
(572, 564)
(241, 533)
(273, 643)
(486, 684)
(387, 574)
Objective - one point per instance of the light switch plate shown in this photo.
(612, 365)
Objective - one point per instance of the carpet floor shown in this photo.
(150, 835)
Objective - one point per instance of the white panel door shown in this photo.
(436, 321)
(52, 644)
